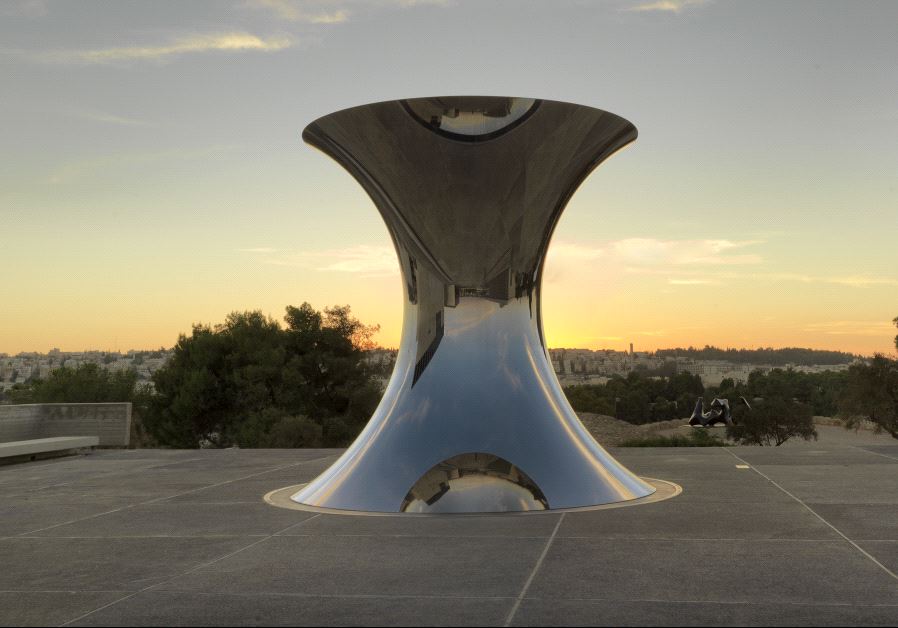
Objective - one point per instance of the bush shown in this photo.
(772, 422)
(699, 437)
(294, 431)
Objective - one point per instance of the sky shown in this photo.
(152, 174)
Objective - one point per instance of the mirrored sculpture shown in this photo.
(473, 418)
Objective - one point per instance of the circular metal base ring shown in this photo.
(281, 498)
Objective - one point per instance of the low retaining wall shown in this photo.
(110, 422)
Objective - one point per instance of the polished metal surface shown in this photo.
(473, 419)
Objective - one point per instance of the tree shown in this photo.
(895, 322)
(772, 422)
(252, 383)
(87, 383)
(638, 398)
(872, 394)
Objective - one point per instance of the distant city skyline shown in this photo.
(630, 349)
(152, 175)
(571, 365)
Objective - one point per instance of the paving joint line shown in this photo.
(91, 477)
(875, 453)
(185, 573)
(529, 581)
(167, 497)
(816, 514)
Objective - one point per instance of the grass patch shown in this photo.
(696, 438)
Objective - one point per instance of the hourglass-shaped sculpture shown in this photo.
(473, 418)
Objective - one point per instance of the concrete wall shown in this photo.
(110, 422)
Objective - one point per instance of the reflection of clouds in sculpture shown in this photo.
(465, 319)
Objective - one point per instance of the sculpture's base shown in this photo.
(283, 498)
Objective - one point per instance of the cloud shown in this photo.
(108, 118)
(24, 8)
(694, 277)
(852, 328)
(860, 281)
(292, 12)
(687, 263)
(692, 282)
(322, 12)
(576, 251)
(222, 42)
(111, 164)
(641, 252)
(260, 249)
(666, 6)
(364, 260)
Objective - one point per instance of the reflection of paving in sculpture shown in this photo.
(718, 413)
(473, 418)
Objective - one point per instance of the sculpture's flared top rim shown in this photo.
(513, 110)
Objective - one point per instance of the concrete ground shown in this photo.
(806, 535)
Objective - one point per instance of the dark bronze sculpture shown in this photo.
(719, 412)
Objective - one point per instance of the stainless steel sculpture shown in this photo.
(473, 419)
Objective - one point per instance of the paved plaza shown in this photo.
(804, 534)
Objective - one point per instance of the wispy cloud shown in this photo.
(364, 260)
(330, 12)
(683, 263)
(571, 250)
(108, 118)
(692, 282)
(859, 281)
(666, 6)
(694, 277)
(260, 249)
(655, 252)
(852, 328)
(193, 44)
(296, 12)
(106, 165)
(23, 8)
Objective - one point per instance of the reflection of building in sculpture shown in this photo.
(473, 418)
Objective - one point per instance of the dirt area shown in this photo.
(611, 432)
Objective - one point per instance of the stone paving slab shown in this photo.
(383, 565)
(150, 537)
(178, 519)
(787, 571)
(539, 612)
(166, 608)
(102, 564)
(680, 519)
